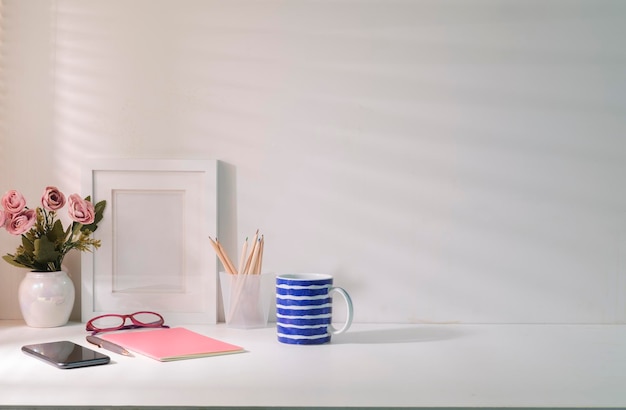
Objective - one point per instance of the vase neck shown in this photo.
(46, 273)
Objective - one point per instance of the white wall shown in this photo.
(446, 160)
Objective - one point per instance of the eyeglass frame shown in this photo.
(135, 323)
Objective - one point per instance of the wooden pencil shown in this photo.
(254, 258)
(249, 261)
(259, 269)
(231, 267)
(219, 250)
(242, 257)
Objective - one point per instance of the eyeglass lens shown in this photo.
(115, 321)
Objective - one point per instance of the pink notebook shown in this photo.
(171, 344)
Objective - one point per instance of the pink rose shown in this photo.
(52, 199)
(21, 222)
(13, 202)
(2, 218)
(81, 210)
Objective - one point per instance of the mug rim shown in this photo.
(304, 276)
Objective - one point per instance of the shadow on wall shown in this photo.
(226, 217)
(437, 145)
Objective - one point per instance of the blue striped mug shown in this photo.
(304, 308)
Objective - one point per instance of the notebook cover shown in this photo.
(171, 344)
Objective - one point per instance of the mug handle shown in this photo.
(350, 311)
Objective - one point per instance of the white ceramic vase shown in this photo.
(46, 298)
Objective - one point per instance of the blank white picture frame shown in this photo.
(155, 252)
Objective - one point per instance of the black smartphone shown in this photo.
(66, 354)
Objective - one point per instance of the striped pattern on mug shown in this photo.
(303, 310)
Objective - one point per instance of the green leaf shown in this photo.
(45, 251)
(76, 227)
(28, 244)
(99, 208)
(9, 258)
(57, 234)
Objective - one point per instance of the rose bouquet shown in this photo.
(45, 241)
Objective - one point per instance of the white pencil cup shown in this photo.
(247, 299)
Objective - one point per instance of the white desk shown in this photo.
(370, 366)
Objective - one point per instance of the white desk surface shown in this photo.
(370, 366)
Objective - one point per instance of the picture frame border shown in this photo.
(209, 225)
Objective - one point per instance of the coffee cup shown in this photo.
(304, 308)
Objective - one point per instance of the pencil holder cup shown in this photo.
(304, 308)
(246, 299)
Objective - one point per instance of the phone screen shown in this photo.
(66, 354)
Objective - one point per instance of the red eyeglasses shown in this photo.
(110, 322)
